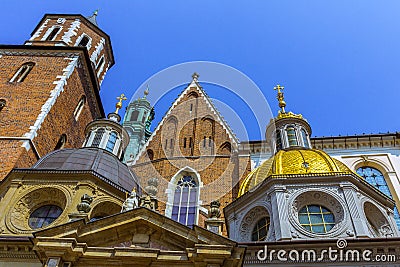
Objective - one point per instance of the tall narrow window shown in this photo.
(278, 140)
(144, 116)
(79, 107)
(53, 34)
(111, 142)
(376, 179)
(166, 143)
(291, 135)
(134, 115)
(99, 66)
(171, 143)
(209, 141)
(98, 137)
(184, 142)
(185, 201)
(191, 107)
(3, 103)
(190, 142)
(204, 141)
(84, 41)
(305, 138)
(61, 142)
(22, 72)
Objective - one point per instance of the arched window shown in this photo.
(260, 230)
(375, 178)
(84, 41)
(305, 138)
(291, 135)
(111, 141)
(134, 115)
(278, 140)
(185, 201)
(184, 142)
(22, 72)
(53, 33)
(61, 142)
(79, 107)
(98, 137)
(3, 103)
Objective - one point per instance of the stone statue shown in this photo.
(131, 202)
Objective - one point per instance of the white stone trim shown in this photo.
(98, 48)
(39, 31)
(104, 74)
(60, 83)
(72, 31)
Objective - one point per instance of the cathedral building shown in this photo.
(79, 188)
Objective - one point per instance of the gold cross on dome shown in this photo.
(118, 106)
(279, 88)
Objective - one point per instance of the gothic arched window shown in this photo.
(111, 141)
(375, 178)
(22, 72)
(185, 201)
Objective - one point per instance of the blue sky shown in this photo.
(338, 60)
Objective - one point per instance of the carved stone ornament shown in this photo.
(248, 222)
(17, 219)
(84, 206)
(131, 202)
(214, 209)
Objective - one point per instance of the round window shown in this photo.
(44, 216)
(260, 230)
(316, 219)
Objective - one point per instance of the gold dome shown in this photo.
(293, 161)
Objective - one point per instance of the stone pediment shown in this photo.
(136, 235)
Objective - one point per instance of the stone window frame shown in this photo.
(79, 39)
(323, 197)
(170, 192)
(252, 215)
(49, 32)
(23, 71)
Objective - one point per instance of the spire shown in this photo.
(92, 18)
(281, 99)
(195, 77)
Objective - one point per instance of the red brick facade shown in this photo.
(41, 108)
(193, 135)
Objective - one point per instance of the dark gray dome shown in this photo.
(85, 159)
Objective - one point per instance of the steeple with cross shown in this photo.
(280, 97)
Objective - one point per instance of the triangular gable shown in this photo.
(139, 237)
(194, 84)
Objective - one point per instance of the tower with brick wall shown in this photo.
(49, 88)
(194, 155)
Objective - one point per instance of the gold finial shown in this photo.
(195, 76)
(146, 92)
(282, 103)
(118, 106)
